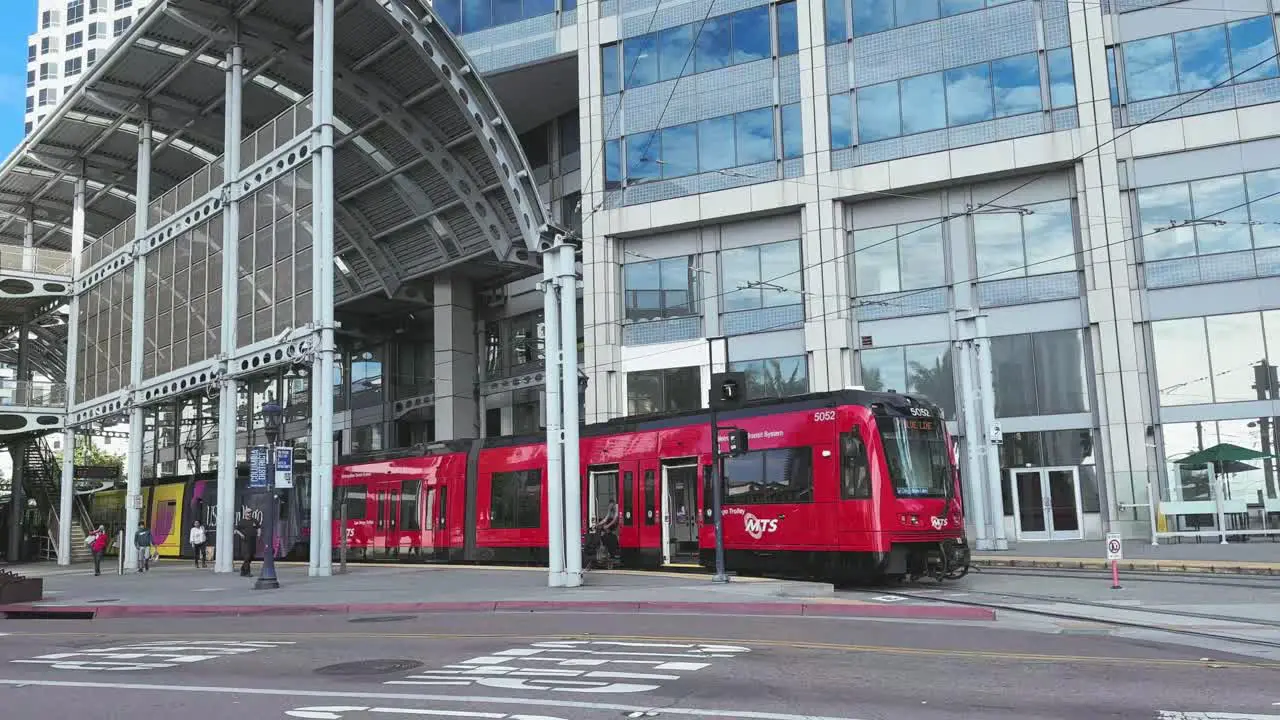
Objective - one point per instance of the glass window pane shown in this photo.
(1148, 68)
(1182, 361)
(922, 255)
(754, 131)
(476, 15)
(538, 8)
(505, 11)
(929, 373)
(639, 61)
(1271, 325)
(1013, 375)
(1062, 80)
(841, 121)
(969, 94)
(715, 144)
(612, 165)
(788, 33)
(642, 157)
(674, 47)
(677, 295)
(1253, 43)
(449, 12)
(924, 104)
(1202, 58)
(644, 392)
(1159, 208)
(680, 151)
(780, 267)
(741, 268)
(1264, 208)
(875, 256)
(792, 131)
(955, 7)
(714, 44)
(1111, 76)
(1235, 347)
(915, 11)
(883, 369)
(997, 238)
(1016, 82)
(1061, 383)
(836, 31)
(1050, 239)
(1220, 199)
(870, 16)
(751, 35)
(683, 389)
(878, 115)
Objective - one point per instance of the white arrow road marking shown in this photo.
(336, 712)
(888, 598)
(488, 700)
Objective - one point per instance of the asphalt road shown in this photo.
(592, 666)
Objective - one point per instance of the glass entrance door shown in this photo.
(1046, 503)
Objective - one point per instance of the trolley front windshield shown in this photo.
(916, 453)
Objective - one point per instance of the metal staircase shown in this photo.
(42, 481)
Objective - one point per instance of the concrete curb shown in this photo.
(910, 612)
(1154, 566)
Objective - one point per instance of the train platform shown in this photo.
(175, 588)
(1259, 557)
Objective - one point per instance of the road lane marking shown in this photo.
(413, 697)
(339, 712)
(1176, 715)
(152, 655)
(527, 668)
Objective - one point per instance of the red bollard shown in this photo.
(1115, 575)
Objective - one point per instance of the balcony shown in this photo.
(41, 261)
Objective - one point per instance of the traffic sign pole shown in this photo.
(1114, 554)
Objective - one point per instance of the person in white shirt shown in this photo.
(198, 542)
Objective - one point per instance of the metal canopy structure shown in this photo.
(229, 173)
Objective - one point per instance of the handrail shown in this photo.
(33, 393)
(45, 261)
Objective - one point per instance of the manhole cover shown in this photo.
(383, 618)
(369, 667)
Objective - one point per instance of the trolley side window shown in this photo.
(855, 472)
(515, 499)
(444, 506)
(628, 498)
(765, 477)
(409, 490)
(650, 499)
(708, 494)
(355, 499)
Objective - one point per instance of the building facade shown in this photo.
(1060, 220)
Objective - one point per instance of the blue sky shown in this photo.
(17, 21)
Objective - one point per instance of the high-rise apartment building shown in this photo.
(70, 37)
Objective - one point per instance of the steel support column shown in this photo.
(322, 292)
(568, 349)
(29, 240)
(224, 532)
(990, 446)
(974, 489)
(67, 483)
(141, 216)
(18, 493)
(555, 429)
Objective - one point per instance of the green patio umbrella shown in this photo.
(1221, 453)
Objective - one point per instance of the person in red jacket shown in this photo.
(98, 544)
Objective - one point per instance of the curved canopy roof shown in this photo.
(428, 174)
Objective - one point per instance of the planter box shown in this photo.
(22, 591)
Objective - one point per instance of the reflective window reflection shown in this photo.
(675, 48)
(879, 115)
(922, 369)
(1215, 359)
(788, 32)
(1011, 244)
(899, 257)
(658, 289)
(969, 94)
(751, 35)
(762, 276)
(611, 75)
(715, 44)
(755, 136)
(639, 61)
(680, 151)
(837, 31)
(1040, 373)
(468, 16)
(1199, 59)
(792, 131)
(668, 390)
(873, 16)
(642, 157)
(774, 377)
(925, 104)
(715, 144)
(1217, 215)
(612, 165)
(1016, 82)
(1239, 480)
(1111, 77)
(841, 108)
(1062, 79)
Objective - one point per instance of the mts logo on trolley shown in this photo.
(757, 527)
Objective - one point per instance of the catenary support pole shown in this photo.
(555, 428)
(975, 490)
(141, 214)
(991, 448)
(228, 390)
(322, 294)
(67, 481)
(569, 401)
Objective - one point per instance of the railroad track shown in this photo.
(1214, 579)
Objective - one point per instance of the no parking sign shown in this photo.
(1113, 547)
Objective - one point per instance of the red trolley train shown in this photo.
(842, 485)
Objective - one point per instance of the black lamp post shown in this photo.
(272, 422)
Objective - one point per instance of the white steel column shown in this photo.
(454, 328)
(555, 431)
(987, 396)
(322, 291)
(67, 485)
(29, 240)
(568, 347)
(133, 476)
(974, 488)
(224, 531)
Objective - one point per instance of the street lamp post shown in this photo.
(272, 421)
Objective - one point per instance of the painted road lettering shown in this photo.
(579, 666)
(341, 712)
(154, 655)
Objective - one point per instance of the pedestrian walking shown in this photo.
(247, 531)
(143, 542)
(198, 543)
(97, 542)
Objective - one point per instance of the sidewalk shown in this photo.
(1249, 558)
(175, 589)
